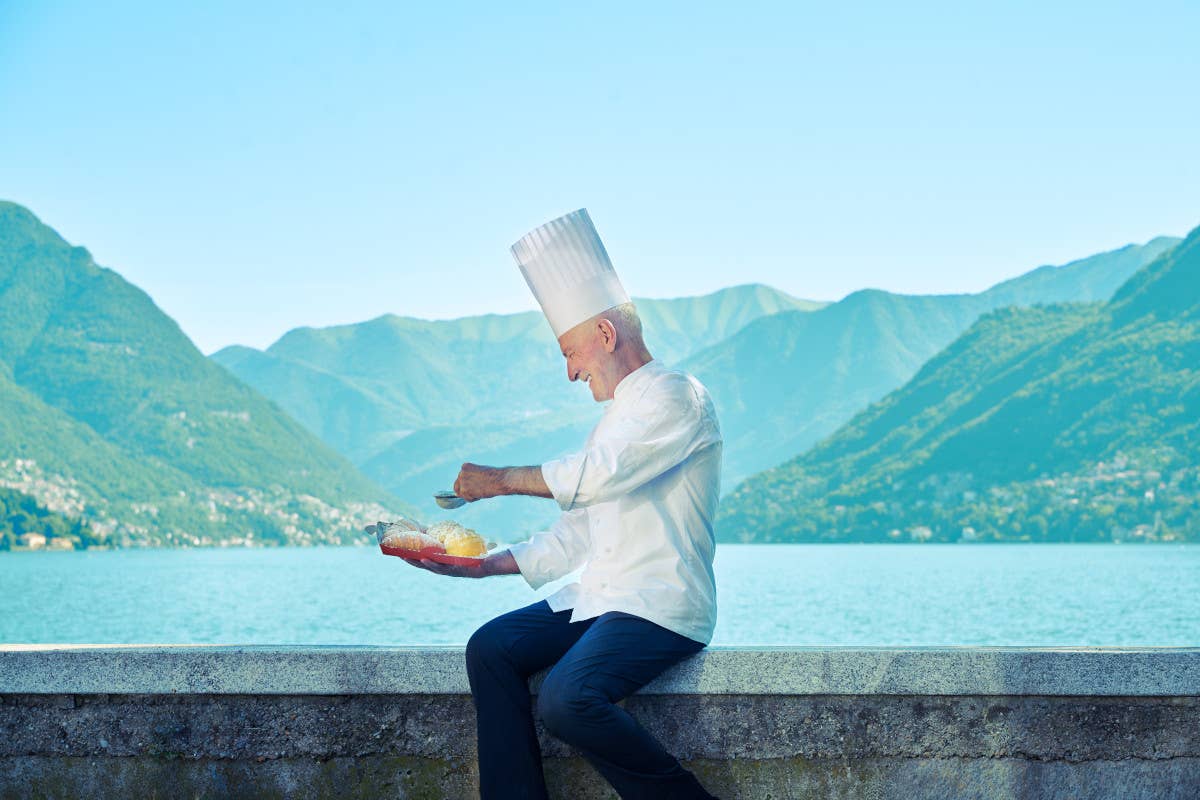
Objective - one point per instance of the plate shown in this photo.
(462, 561)
(409, 555)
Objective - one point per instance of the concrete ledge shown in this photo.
(146, 669)
(883, 723)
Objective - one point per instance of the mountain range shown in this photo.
(1063, 422)
(787, 380)
(409, 400)
(109, 415)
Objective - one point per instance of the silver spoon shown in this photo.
(448, 499)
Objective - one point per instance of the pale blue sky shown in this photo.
(256, 167)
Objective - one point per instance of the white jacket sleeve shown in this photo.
(551, 554)
(661, 430)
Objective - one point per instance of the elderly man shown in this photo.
(638, 505)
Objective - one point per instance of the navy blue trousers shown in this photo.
(599, 661)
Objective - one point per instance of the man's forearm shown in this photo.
(524, 480)
(475, 482)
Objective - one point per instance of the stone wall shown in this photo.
(753, 723)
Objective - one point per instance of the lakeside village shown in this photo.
(44, 511)
(1124, 501)
(1119, 500)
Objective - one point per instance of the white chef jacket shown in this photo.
(638, 507)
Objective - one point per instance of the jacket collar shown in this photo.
(635, 382)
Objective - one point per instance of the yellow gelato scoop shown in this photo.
(466, 543)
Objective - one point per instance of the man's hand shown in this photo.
(501, 563)
(453, 570)
(475, 482)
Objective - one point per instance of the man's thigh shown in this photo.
(620, 654)
(532, 638)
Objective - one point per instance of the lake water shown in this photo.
(767, 594)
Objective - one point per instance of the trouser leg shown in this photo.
(501, 656)
(618, 655)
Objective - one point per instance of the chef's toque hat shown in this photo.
(568, 271)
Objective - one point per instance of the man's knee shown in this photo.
(485, 645)
(563, 707)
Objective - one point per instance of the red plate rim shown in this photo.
(407, 554)
(462, 561)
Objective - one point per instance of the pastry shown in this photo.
(445, 529)
(466, 543)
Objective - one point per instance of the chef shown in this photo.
(638, 503)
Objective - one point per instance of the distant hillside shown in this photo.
(109, 412)
(787, 380)
(409, 400)
(1069, 422)
(362, 387)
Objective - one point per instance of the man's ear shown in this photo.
(608, 334)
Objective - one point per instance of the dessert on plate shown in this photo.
(446, 541)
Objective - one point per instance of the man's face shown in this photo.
(588, 359)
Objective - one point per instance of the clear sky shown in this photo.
(260, 166)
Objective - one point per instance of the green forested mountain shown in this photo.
(109, 413)
(1067, 422)
(787, 380)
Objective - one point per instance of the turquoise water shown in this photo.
(768, 594)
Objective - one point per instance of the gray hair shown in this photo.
(628, 325)
(626, 320)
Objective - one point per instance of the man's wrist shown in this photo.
(501, 563)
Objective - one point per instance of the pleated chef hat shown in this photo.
(568, 271)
